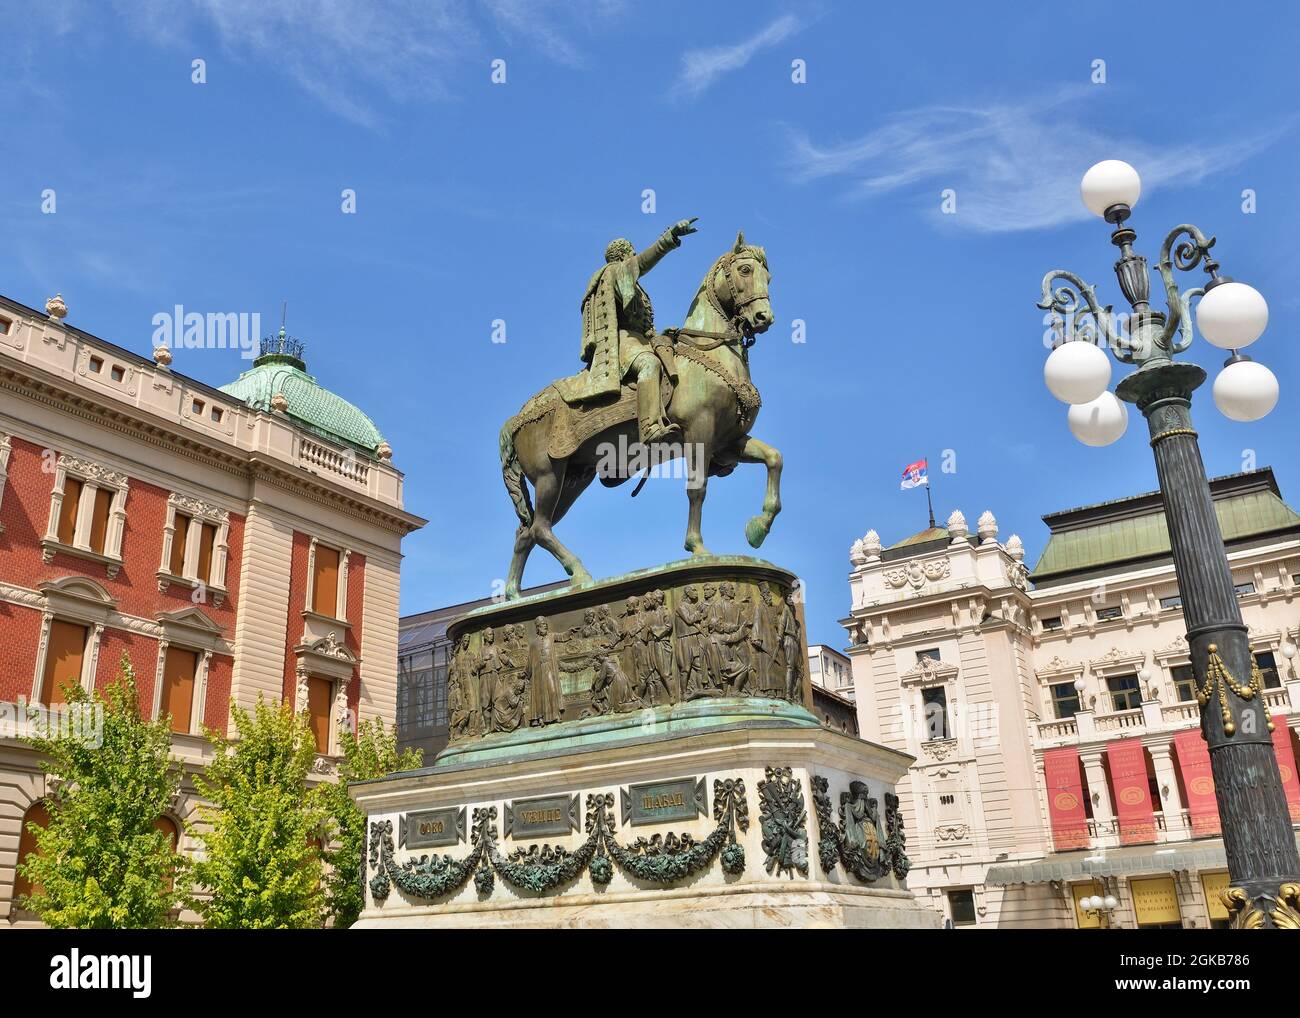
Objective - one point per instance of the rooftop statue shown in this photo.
(684, 393)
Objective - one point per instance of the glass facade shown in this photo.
(423, 653)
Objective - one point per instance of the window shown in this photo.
(99, 520)
(36, 814)
(1052, 625)
(815, 665)
(1184, 682)
(118, 373)
(181, 532)
(1124, 692)
(1267, 665)
(64, 658)
(319, 697)
(1110, 613)
(1242, 589)
(4, 326)
(195, 545)
(1065, 699)
(207, 539)
(96, 364)
(962, 906)
(87, 513)
(197, 408)
(217, 414)
(935, 701)
(180, 670)
(67, 531)
(932, 654)
(325, 582)
(1172, 603)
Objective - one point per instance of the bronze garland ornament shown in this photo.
(660, 859)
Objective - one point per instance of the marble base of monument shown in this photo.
(717, 828)
(640, 752)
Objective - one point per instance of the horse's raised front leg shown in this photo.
(754, 451)
(697, 486)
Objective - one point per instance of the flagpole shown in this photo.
(928, 502)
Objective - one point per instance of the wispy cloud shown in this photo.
(702, 67)
(356, 57)
(535, 22)
(1013, 166)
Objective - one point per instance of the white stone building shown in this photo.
(1002, 682)
(830, 670)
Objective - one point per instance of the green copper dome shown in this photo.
(281, 371)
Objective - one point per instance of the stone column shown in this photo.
(1099, 793)
(1167, 777)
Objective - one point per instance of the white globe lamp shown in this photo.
(1100, 422)
(1245, 390)
(1077, 372)
(1109, 183)
(1111, 902)
(1232, 315)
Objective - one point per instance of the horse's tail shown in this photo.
(513, 475)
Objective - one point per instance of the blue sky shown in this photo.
(478, 201)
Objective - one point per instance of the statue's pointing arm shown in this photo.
(670, 239)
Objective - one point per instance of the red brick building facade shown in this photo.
(229, 543)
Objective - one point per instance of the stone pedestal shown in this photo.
(716, 828)
(639, 752)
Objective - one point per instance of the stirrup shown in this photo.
(654, 432)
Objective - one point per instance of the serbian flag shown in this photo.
(914, 476)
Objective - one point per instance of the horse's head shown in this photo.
(738, 284)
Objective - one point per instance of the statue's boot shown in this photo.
(653, 425)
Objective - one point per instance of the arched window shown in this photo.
(36, 814)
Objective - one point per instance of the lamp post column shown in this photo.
(1257, 833)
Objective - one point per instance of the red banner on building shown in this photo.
(1128, 776)
(1065, 799)
(1286, 764)
(1198, 781)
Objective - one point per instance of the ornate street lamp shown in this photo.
(1101, 909)
(1263, 866)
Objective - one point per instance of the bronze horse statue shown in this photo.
(714, 403)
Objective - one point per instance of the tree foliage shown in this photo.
(102, 863)
(261, 866)
(371, 753)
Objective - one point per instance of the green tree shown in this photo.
(102, 863)
(261, 867)
(371, 753)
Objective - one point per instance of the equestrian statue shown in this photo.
(681, 393)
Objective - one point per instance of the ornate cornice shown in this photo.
(917, 573)
(96, 472)
(11, 593)
(1057, 668)
(927, 672)
(239, 463)
(1116, 658)
(197, 507)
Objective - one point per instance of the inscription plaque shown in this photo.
(658, 802)
(536, 818)
(432, 828)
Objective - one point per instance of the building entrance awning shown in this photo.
(1134, 860)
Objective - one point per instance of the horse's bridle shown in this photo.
(736, 332)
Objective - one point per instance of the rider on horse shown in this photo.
(619, 343)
